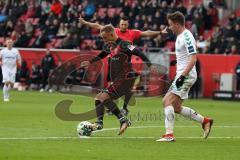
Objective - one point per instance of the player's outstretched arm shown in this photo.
(150, 33)
(100, 56)
(90, 24)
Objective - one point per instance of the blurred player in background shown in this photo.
(125, 34)
(121, 80)
(186, 76)
(9, 59)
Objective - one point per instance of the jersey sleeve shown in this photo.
(18, 56)
(100, 56)
(136, 34)
(135, 51)
(190, 43)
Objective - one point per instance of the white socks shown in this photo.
(186, 112)
(169, 119)
(190, 113)
(6, 91)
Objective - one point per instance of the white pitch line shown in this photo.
(111, 129)
(62, 138)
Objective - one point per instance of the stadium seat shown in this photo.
(208, 34)
(30, 20)
(57, 43)
(32, 40)
(35, 21)
(1, 40)
(30, 12)
(89, 42)
(238, 12)
(170, 45)
(102, 11)
(118, 10)
(188, 24)
(195, 2)
(37, 32)
(111, 12)
(51, 44)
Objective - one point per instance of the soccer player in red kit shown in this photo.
(121, 80)
(129, 35)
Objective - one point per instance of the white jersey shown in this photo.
(185, 45)
(9, 58)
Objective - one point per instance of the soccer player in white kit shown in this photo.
(186, 55)
(9, 58)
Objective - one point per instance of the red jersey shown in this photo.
(129, 35)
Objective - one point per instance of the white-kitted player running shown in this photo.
(186, 54)
(9, 59)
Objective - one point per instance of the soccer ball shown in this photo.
(83, 128)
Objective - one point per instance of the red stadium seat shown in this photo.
(208, 34)
(118, 10)
(37, 32)
(58, 43)
(170, 45)
(35, 21)
(238, 12)
(111, 12)
(195, 2)
(30, 12)
(102, 11)
(89, 42)
(188, 24)
(31, 41)
(30, 20)
(1, 40)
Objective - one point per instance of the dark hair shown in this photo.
(177, 17)
(125, 18)
(107, 28)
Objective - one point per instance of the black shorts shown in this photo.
(120, 87)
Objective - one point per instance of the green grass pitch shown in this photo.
(30, 130)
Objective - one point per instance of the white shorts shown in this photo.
(183, 91)
(8, 77)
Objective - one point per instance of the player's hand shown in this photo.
(81, 20)
(85, 64)
(180, 81)
(165, 31)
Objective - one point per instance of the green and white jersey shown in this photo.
(185, 46)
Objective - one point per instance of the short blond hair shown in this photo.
(107, 28)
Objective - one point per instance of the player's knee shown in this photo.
(102, 97)
(166, 102)
(105, 96)
(97, 102)
(98, 98)
(177, 109)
